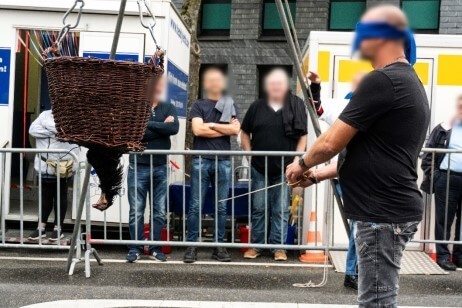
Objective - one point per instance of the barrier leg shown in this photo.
(97, 257)
(75, 252)
(77, 258)
(87, 263)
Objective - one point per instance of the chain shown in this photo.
(151, 25)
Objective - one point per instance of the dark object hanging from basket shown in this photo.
(103, 105)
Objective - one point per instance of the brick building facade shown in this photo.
(244, 36)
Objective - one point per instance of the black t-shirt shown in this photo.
(378, 172)
(205, 109)
(267, 132)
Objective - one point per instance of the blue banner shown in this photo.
(105, 56)
(177, 93)
(5, 59)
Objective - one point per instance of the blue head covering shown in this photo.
(370, 30)
(349, 95)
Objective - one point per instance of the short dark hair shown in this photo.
(212, 69)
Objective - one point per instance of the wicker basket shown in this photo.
(101, 102)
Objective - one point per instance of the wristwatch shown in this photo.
(301, 163)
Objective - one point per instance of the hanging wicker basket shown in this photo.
(102, 102)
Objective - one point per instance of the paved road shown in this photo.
(24, 282)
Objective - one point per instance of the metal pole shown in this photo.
(307, 94)
(292, 24)
(78, 219)
(120, 18)
(293, 52)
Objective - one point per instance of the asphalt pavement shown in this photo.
(40, 276)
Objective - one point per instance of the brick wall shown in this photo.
(451, 17)
(245, 49)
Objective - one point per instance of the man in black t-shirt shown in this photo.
(383, 129)
(213, 120)
(277, 122)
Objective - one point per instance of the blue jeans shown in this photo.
(351, 258)
(380, 248)
(137, 195)
(275, 205)
(205, 172)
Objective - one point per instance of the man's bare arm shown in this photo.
(231, 129)
(200, 129)
(245, 141)
(301, 145)
(325, 147)
(321, 174)
(330, 143)
(326, 172)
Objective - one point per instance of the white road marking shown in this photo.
(266, 264)
(101, 303)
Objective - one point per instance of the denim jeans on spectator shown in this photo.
(274, 207)
(351, 257)
(205, 172)
(380, 248)
(453, 209)
(137, 196)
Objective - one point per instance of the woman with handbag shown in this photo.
(51, 167)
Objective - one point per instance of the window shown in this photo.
(263, 70)
(271, 23)
(344, 15)
(423, 15)
(215, 18)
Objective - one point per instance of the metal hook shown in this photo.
(150, 26)
(67, 26)
(82, 4)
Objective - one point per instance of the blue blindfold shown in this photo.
(382, 30)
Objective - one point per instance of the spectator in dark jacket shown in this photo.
(163, 123)
(447, 186)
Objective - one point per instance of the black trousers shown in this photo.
(50, 199)
(445, 215)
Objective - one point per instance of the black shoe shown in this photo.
(34, 236)
(351, 282)
(221, 254)
(190, 256)
(458, 263)
(56, 235)
(447, 265)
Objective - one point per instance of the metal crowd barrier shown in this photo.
(177, 189)
(430, 202)
(239, 208)
(19, 239)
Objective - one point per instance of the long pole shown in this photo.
(120, 18)
(298, 69)
(78, 218)
(308, 96)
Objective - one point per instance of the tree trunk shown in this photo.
(190, 14)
